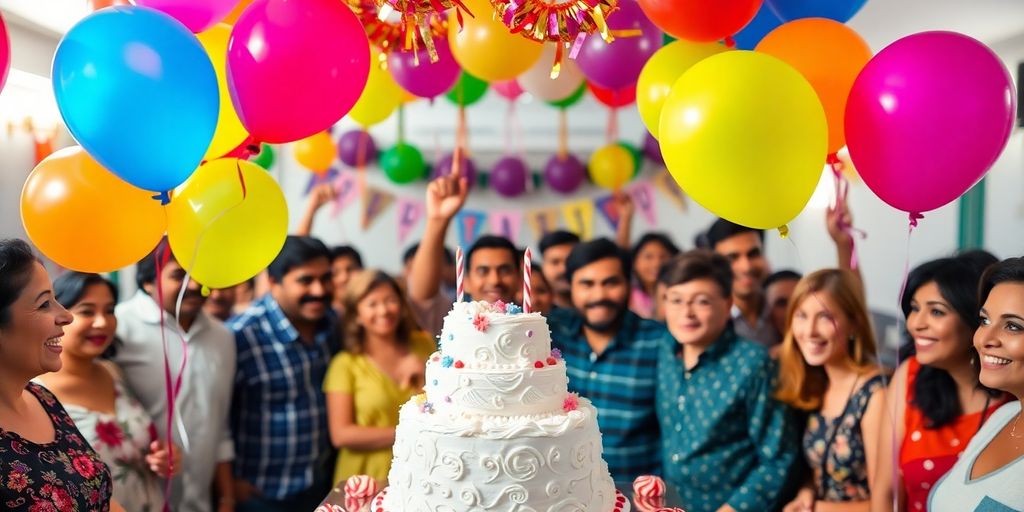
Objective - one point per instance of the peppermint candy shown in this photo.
(360, 486)
(649, 486)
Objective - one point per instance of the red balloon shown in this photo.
(701, 20)
(614, 99)
(95, 5)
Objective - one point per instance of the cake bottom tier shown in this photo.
(435, 471)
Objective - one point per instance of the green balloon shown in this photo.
(638, 156)
(467, 91)
(403, 163)
(265, 158)
(571, 100)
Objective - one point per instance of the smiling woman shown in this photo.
(37, 438)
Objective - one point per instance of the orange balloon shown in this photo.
(316, 152)
(485, 47)
(236, 12)
(829, 55)
(84, 218)
(95, 5)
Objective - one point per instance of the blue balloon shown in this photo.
(138, 92)
(839, 10)
(764, 22)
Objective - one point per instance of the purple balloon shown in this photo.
(354, 144)
(427, 79)
(564, 175)
(652, 149)
(443, 167)
(617, 65)
(509, 175)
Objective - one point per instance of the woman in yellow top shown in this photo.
(381, 368)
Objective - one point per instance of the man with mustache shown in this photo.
(554, 249)
(285, 341)
(203, 403)
(611, 356)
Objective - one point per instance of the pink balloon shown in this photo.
(927, 118)
(508, 89)
(295, 67)
(425, 79)
(197, 15)
(538, 82)
(5, 52)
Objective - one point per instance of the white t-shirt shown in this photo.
(999, 491)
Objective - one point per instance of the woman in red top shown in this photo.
(935, 402)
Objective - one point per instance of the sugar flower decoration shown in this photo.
(499, 306)
(512, 309)
(571, 403)
(447, 361)
(480, 322)
(555, 353)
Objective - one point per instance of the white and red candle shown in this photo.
(460, 289)
(527, 274)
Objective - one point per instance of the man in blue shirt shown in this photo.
(728, 444)
(611, 355)
(285, 342)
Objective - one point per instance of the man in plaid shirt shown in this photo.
(611, 355)
(285, 341)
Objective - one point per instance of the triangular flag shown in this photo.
(316, 179)
(668, 186)
(606, 206)
(469, 224)
(507, 224)
(542, 221)
(346, 190)
(375, 201)
(579, 218)
(409, 214)
(643, 197)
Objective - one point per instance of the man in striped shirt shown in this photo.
(285, 341)
(611, 355)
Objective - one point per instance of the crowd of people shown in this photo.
(746, 390)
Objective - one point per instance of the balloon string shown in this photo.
(914, 217)
(842, 192)
(171, 385)
(563, 134)
(613, 125)
(401, 124)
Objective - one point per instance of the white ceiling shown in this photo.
(996, 22)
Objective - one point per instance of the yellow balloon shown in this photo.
(315, 152)
(745, 136)
(486, 49)
(227, 222)
(661, 72)
(611, 167)
(86, 219)
(380, 98)
(230, 132)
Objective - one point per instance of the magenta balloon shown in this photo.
(5, 52)
(426, 79)
(617, 65)
(564, 175)
(197, 15)
(927, 118)
(509, 175)
(508, 89)
(357, 148)
(295, 67)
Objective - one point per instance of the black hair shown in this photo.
(698, 264)
(957, 278)
(559, 237)
(782, 275)
(69, 288)
(145, 269)
(410, 253)
(723, 230)
(491, 242)
(1007, 271)
(595, 250)
(654, 238)
(297, 251)
(16, 263)
(346, 251)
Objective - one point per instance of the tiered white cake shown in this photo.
(497, 429)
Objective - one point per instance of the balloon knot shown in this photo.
(164, 197)
(205, 291)
(784, 231)
(914, 217)
(833, 159)
(729, 42)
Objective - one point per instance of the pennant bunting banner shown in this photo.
(606, 205)
(542, 221)
(507, 223)
(668, 186)
(409, 214)
(643, 197)
(375, 202)
(579, 218)
(346, 190)
(469, 224)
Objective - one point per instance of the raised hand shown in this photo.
(446, 195)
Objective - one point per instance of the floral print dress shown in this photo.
(64, 475)
(122, 440)
(840, 466)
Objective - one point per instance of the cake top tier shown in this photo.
(485, 335)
